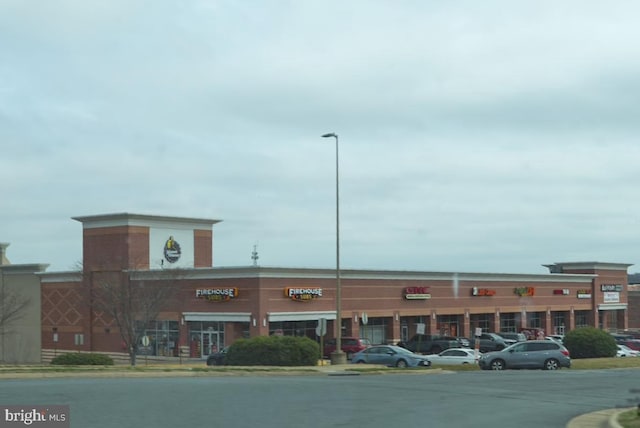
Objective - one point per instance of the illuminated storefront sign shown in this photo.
(584, 294)
(302, 294)
(563, 292)
(417, 293)
(524, 291)
(475, 291)
(611, 287)
(217, 294)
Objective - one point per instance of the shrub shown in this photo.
(78, 359)
(273, 351)
(590, 342)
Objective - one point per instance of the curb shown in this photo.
(613, 419)
(603, 418)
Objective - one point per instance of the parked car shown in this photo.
(390, 355)
(631, 343)
(218, 358)
(489, 342)
(557, 337)
(454, 356)
(621, 338)
(533, 354)
(553, 338)
(625, 351)
(464, 342)
(430, 344)
(349, 345)
(511, 337)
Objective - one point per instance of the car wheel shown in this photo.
(497, 365)
(551, 364)
(436, 350)
(401, 363)
(212, 362)
(360, 362)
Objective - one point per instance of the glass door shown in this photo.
(210, 342)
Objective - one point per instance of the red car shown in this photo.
(349, 345)
(631, 343)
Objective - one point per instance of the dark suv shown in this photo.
(489, 342)
(349, 345)
(510, 338)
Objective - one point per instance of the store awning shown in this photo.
(612, 306)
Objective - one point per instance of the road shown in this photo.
(507, 399)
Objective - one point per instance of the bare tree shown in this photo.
(133, 303)
(12, 307)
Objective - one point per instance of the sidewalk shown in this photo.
(601, 419)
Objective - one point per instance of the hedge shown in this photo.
(590, 342)
(273, 351)
(82, 359)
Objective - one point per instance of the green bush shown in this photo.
(78, 359)
(590, 342)
(273, 351)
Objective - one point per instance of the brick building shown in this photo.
(217, 305)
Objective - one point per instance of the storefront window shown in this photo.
(294, 328)
(163, 338)
(375, 331)
(483, 321)
(448, 325)
(508, 323)
(582, 319)
(534, 320)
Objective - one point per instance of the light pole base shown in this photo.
(338, 357)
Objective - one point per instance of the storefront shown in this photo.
(217, 305)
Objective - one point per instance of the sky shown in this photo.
(492, 136)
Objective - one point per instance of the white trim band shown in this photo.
(301, 316)
(222, 316)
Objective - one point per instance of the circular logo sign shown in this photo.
(172, 250)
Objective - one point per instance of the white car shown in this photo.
(454, 356)
(557, 337)
(625, 351)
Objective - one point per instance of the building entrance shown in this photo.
(205, 338)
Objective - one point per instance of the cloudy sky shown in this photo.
(474, 136)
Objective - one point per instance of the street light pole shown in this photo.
(337, 356)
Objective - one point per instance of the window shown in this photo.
(534, 320)
(582, 319)
(79, 339)
(508, 323)
(163, 338)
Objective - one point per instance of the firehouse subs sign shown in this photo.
(217, 294)
(300, 294)
(417, 293)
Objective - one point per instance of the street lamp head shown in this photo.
(329, 135)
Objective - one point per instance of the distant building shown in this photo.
(634, 301)
(19, 336)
